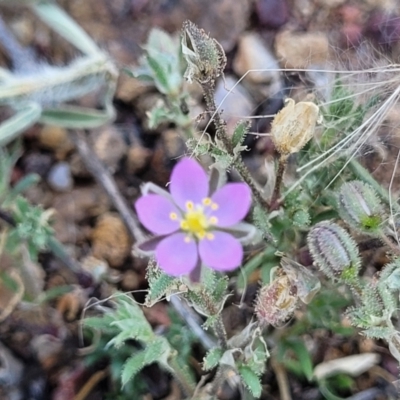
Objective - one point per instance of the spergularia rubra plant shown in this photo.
(193, 225)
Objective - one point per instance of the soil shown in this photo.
(43, 341)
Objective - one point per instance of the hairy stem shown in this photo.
(184, 379)
(274, 204)
(220, 331)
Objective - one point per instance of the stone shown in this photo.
(109, 146)
(272, 13)
(252, 54)
(60, 177)
(55, 138)
(137, 158)
(236, 105)
(84, 202)
(300, 50)
(110, 240)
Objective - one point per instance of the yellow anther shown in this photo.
(213, 220)
(173, 216)
(189, 205)
(201, 234)
(184, 225)
(207, 201)
(210, 236)
(214, 206)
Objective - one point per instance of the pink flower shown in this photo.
(192, 224)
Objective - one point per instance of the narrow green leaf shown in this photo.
(158, 287)
(63, 24)
(55, 292)
(132, 366)
(100, 323)
(159, 350)
(240, 132)
(251, 381)
(160, 74)
(23, 119)
(212, 358)
(23, 184)
(303, 356)
(75, 117)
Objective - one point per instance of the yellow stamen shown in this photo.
(195, 222)
(213, 220)
(214, 206)
(173, 216)
(184, 225)
(210, 236)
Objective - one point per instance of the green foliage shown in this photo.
(239, 133)
(308, 207)
(126, 322)
(251, 381)
(301, 363)
(212, 358)
(163, 66)
(32, 227)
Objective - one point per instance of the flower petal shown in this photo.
(175, 256)
(234, 201)
(154, 213)
(189, 182)
(148, 246)
(245, 233)
(222, 253)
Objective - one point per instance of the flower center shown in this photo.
(197, 221)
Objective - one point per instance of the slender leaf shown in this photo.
(23, 119)
(75, 117)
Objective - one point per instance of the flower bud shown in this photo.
(277, 301)
(294, 126)
(205, 56)
(360, 207)
(334, 251)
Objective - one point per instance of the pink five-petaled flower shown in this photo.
(193, 225)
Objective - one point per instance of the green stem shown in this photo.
(184, 379)
(220, 332)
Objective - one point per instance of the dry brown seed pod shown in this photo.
(294, 126)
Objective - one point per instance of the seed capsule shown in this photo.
(334, 251)
(360, 206)
(294, 126)
(205, 56)
(276, 301)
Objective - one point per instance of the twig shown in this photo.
(22, 59)
(193, 322)
(91, 383)
(104, 178)
(282, 379)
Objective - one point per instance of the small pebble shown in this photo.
(299, 50)
(110, 240)
(60, 178)
(272, 13)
